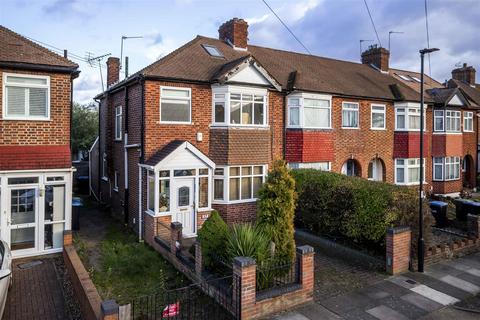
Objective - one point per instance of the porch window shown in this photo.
(218, 184)
(175, 105)
(27, 97)
(164, 191)
(203, 188)
(151, 191)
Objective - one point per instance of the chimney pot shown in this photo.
(113, 71)
(466, 74)
(234, 32)
(377, 56)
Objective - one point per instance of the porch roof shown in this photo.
(173, 150)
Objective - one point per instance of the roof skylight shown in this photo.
(403, 77)
(212, 50)
(416, 79)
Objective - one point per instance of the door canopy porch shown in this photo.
(178, 154)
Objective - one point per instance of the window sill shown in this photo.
(234, 201)
(457, 133)
(410, 130)
(117, 140)
(468, 131)
(351, 128)
(26, 119)
(310, 128)
(105, 179)
(378, 129)
(238, 126)
(175, 122)
(115, 189)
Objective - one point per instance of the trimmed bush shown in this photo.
(213, 237)
(354, 208)
(276, 210)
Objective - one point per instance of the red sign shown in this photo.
(171, 310)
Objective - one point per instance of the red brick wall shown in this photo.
(398, 250)
(238, 212)
(54, 133)
(309, 146)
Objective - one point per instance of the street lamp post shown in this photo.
(421, 241)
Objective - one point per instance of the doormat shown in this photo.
(31, 264)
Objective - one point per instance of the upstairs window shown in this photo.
(407, 119)
(118, 123)
(26, 97)
(438, 120)
(175, 105)
(452, 121)
(247, 109)
(378, 117)
(309, 112)
(468, 121)
(350, 115)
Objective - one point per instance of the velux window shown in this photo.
(27, 97)
(175, 105)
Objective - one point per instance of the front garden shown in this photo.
(120, 267)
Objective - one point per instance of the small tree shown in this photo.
(84, 126)
(276, 210)
(213, 237)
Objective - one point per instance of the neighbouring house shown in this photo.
(35, 159)
(198, 129)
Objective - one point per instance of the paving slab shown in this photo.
(385, 313)
(358, 314)
(456, 264)
(316, 311)
(422, 302)
(391, 288)
(469, 261)
(470, 278)
(449, 314)
(435, 295)
(443, 269)
(403, 307)
(461, 284)
(291, 316)
(342, 304)
(441, 286)
(404, 281)
(473, 271)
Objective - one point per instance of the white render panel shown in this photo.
(249, 75)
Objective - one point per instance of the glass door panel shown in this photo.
(22, 219)
(54, 216)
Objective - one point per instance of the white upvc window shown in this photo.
(26, 97)
(322, 166)
(378, 117)
(446, 169)
(234, 184)
(452, 121)
(407, 171)
(407, 116)
(115, 181)
(350, 115)
(468, 121)
(104, 167)
(309, 111)
(118, 123)
(438, 120)
(239, 106)
(175, 105)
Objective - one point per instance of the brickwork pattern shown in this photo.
(237, 212)
(398, 250)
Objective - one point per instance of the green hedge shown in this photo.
(353, 208)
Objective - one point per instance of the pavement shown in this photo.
(412, 295)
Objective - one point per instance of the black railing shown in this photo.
(273, 276)
(197, 301)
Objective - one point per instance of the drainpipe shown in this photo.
(100, 164)
(125, 162)
(142, 159)
(284, 136)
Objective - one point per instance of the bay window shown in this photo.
(446, 169)
(407, 117)
(175, 105)
(350, 115)
(452, 121)
(407, 171)
(238, 183)
(438, 120)
(26, 97)
(468, 121)
(239, 106)
(309, 111)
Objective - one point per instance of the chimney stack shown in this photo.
(376, 56)
(466, 74)
(113, 71)
(234, 32)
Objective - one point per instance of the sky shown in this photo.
(329, 28)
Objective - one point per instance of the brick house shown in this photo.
(198, 129)
(35, 161)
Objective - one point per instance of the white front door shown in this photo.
(184, 207)
(22, 219)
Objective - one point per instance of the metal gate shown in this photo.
(210, 300)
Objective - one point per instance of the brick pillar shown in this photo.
(245, 269)
(176, 236)
(399, 241)
(198, 258)
(109, 310)
(67, 238)
(473, 225)
(305, 257)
